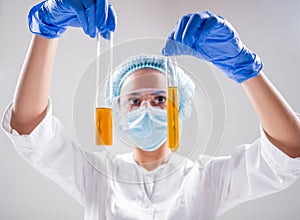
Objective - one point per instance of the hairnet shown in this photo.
(186, 87)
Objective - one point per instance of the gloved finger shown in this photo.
(217, 24)
(90, 11)
(91, 17)
(111, 22)
(180, 27)
(219, 27)
(171, 36)
(88, 3)
(193, 28)
(101, 14)
(173, 47)
(167, 50)
(221, 36)
(80, 14)
(106, 34)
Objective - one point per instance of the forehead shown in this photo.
(144, 78)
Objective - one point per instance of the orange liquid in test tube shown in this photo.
(103, 126)
(172, 114)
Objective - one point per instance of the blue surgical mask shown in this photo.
(146, 126)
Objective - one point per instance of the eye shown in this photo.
(159, 100)
(134, 102)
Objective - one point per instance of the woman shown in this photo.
(149, 191)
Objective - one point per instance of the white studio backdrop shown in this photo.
(270, 28)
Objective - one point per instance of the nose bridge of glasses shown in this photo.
(146, 102)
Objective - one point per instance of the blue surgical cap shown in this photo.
(186, 87)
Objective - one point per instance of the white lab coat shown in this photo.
(115, 187)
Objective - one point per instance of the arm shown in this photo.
(279, 121)
(49, 20)
(210, 37)
(257, 169)
(31, 95)
(42, 140)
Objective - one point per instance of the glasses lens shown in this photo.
(141, 98)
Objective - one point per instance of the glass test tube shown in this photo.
(172, 104)
(103, 119)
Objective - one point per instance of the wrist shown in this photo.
(242, 67)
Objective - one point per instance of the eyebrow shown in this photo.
(153, 93)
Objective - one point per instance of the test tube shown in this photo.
(172, 104)
(103, 119)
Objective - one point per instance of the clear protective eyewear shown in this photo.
(141, 98)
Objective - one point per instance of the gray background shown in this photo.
(270, 28)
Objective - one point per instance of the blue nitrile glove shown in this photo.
(210, 37)
(51, 18)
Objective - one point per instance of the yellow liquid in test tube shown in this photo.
(172, 114)
(103, 126)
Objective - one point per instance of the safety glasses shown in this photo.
(142, 98)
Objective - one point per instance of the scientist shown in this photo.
(193, 191)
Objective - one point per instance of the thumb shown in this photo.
(173, 47)
(167, 50)
(111, 18)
